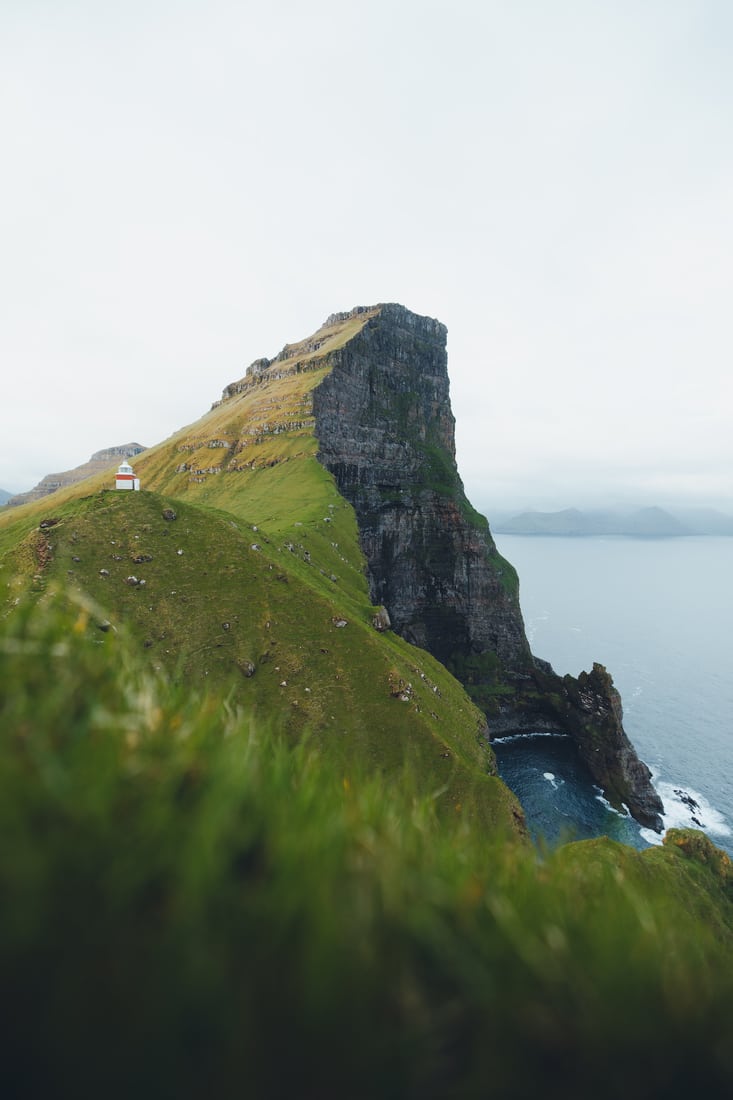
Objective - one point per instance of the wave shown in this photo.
(525, 737)
(686, 809)
(599, 797)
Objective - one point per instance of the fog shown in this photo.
(188, 186)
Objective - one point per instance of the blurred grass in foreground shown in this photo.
(191, 906)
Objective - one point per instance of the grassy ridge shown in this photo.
(195, 906)
(256, 621)
(221, 608)
(248, 850)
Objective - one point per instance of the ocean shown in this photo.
(658, 614)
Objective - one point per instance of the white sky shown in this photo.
(189, 185)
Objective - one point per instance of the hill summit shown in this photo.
(339, 455)
(99, 462)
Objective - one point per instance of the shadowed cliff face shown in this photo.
(386, 432)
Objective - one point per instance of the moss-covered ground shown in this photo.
(249, 845)
(212, 602)
(191, 906)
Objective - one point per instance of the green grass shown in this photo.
(214, 609)
(279, 602)
(247, 851)
(193, 906)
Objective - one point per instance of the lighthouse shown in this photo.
(125, 478)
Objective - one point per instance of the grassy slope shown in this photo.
(238, 897)
(197, 910)
(208, 614)
(267, 489)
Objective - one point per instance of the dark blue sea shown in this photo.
(658, 613)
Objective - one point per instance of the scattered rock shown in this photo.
(169, 514)
(132, 581)
(105, 625)
(255, 546)
(225, 626)
(179, 552)
(142, 558)
(247, 668)
(401, 689)
(49, 522)
(104, 572)
(340, 622)
(687, 799)
(381, 620)
(76, 559)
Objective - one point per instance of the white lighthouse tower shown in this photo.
(125, 478)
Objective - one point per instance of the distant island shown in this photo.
(4, 497)
(643, 523)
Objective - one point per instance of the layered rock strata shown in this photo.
(386, 432)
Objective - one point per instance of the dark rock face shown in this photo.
(589, 708)
(594, 716)
(386, 432)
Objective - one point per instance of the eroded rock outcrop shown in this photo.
(386, 432)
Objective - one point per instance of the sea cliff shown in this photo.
(386, 432)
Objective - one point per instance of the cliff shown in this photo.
(340, 452)
(386, 432)
(372, 386)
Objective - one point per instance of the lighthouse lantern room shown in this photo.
(125, 478)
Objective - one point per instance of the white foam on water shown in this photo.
(686, 809)
(612, 809)
(549, 776)
(525, 737)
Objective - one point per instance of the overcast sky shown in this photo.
(187, 186)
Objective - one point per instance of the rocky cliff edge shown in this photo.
(379, 404)
(386, 432)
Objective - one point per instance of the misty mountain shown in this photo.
(4, 497)
(706, 521)
(644, 523)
